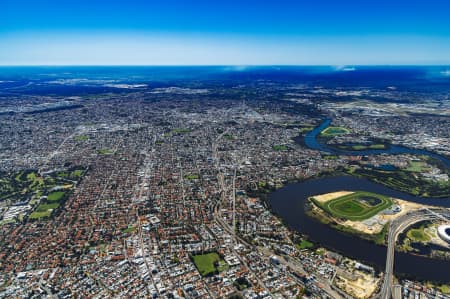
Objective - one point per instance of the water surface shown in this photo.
(289, 203)
(312, 141)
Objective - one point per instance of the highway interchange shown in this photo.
(398, 226)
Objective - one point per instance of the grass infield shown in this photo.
(334, 131)
(357, 206)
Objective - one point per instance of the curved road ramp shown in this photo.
(398, 226)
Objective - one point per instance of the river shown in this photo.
(289, 203)
(312, 142)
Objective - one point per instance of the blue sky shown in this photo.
(170, 32)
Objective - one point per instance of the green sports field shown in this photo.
(205, 263)
(357, 206)
(334, 131)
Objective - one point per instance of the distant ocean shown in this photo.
(410, 78)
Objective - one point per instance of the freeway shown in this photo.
(396, 227)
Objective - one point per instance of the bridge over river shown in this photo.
(396, 228)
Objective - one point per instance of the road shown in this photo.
(396, 227)
(265, 252)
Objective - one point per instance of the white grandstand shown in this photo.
(444, 232)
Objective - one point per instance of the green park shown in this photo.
(334, 131)
(209, 263)
(357, 206)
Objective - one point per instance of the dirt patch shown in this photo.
(375, 224)
(357, 284)
(322, 198)
(406, 207)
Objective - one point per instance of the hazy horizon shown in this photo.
(224, 33)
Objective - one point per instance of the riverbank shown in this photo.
(288, 203)
(372, 228)
(422, 239)
(404, 181)
(311, 140)
(377, 236)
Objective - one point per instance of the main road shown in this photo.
(396, 227)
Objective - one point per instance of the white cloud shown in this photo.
(343, 68)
